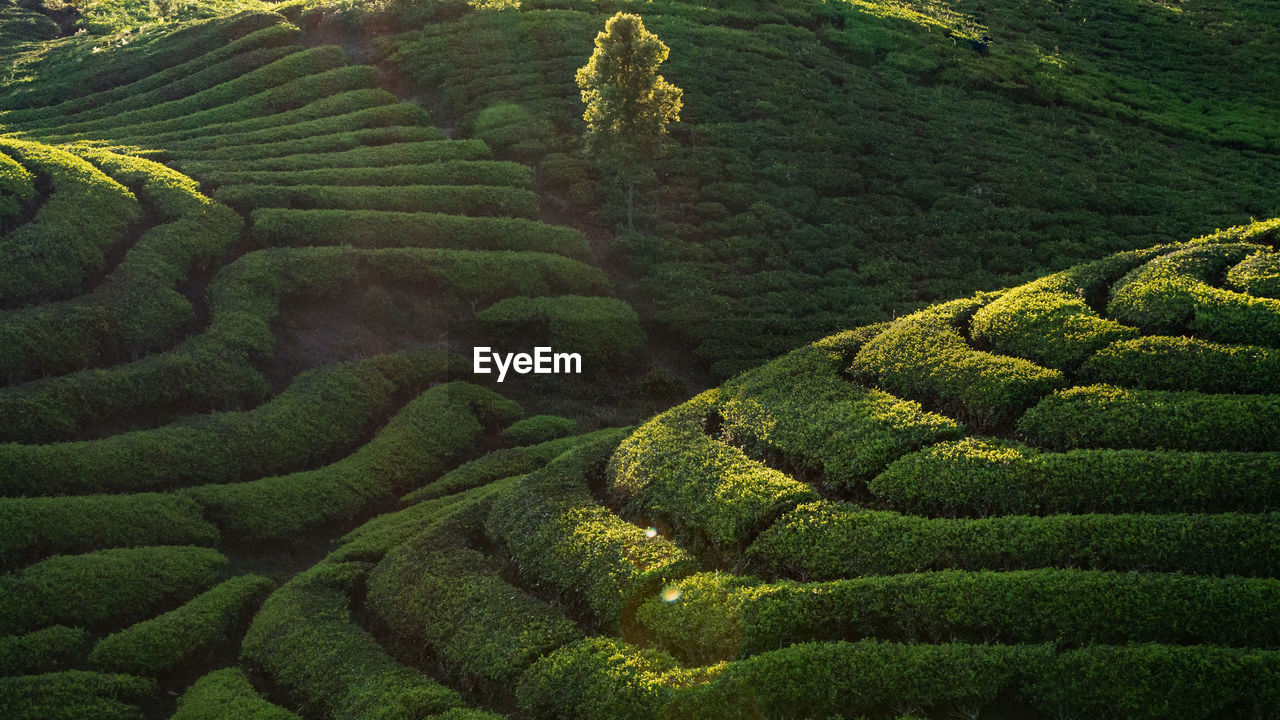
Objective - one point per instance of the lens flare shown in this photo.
(671, 594)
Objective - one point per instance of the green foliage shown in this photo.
(722, 617)
(1108, 416)
(227, 695)
(41, 651)
(925, 358)
(1183, 363)
(605, 331)
(39, 527)
(827, 540)
(979, 477)
(433, 430)
(74, 695)
(444, 172)
(1258, 274)
(377, 228)
(800, 410)
(411, 153)
(163, 643)
(457, 200)
(539, 429)
(104, 587)
(316, 144)
(454, 602)
(17, 186)
(108, 16)
(556, 533)
(512, 129)
(306, 640)
(370, 109)
(85, 214)
(671, 472)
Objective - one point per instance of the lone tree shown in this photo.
(628, 103)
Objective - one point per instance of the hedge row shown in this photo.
(722, 617)
(444, 172)
(164, 643)
(199, 82)
(799, 411)
(605, 331)
(289, 96)
(1108, 416)
(557, 534)
(175, 78)
(74, 695)
(85, 214)
(453, 601)
(375, 228)
(107, 586)
(227, 695)
(320, 109)
(363, 157)
(669, 471)
(828, 541)
(17, 186)
(924, 357)
(137, 308)
(539, 429)
(386, 115)
(322, 412)
(499, 464)
(823, 680)
(168, 54)
(39, 527)
(1182, 363)
(428, 434)
(306, 641)
(291, 66)
(1258, 274)
(994, 477)
(41, 651)
(1170, 296)
(328, 143)
(1050, 321)
(457, 200)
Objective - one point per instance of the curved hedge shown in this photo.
(923, 357)
(163, 643)
(605, 331)
(306, 640)
(227, 695)
(1184, 363)
(443, 172)
(476, 200)
(107, 586)
(1258, 274)
(540, 429)
(17, 186)
(799, 411)
(413, 153)
(380, 228)
(993, 477)
(233, 136)
(722, 617)
(85, 214)
(44, 650)
(556, 533)
(827, 541)
(39, 527)
(1108, 416)
(453, 601)
(74, 695)
(319, 143)
(669, 471)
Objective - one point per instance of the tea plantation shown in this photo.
(247, 473)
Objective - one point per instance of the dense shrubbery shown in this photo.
(723, 617)
(227, 695)
(1258, 274)
(444, 172)
(1108, 416)
(416, 153)
(987, 477)
(215, 140)
(556, 533)
(17, 186)
(826, 541)
(305, 639)
(604, 330)
(539, 429)
(74, 695)
(107, 586)
(315, 144)
(458, 200)
(800, 410)
(1183, 363)
(710, 493)
(44, 650)
(38, 527)
(161, 644)
(924, 357)
(454, 602)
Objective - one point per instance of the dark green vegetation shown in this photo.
(245, 472)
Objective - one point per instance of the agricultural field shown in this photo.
(925, 386)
